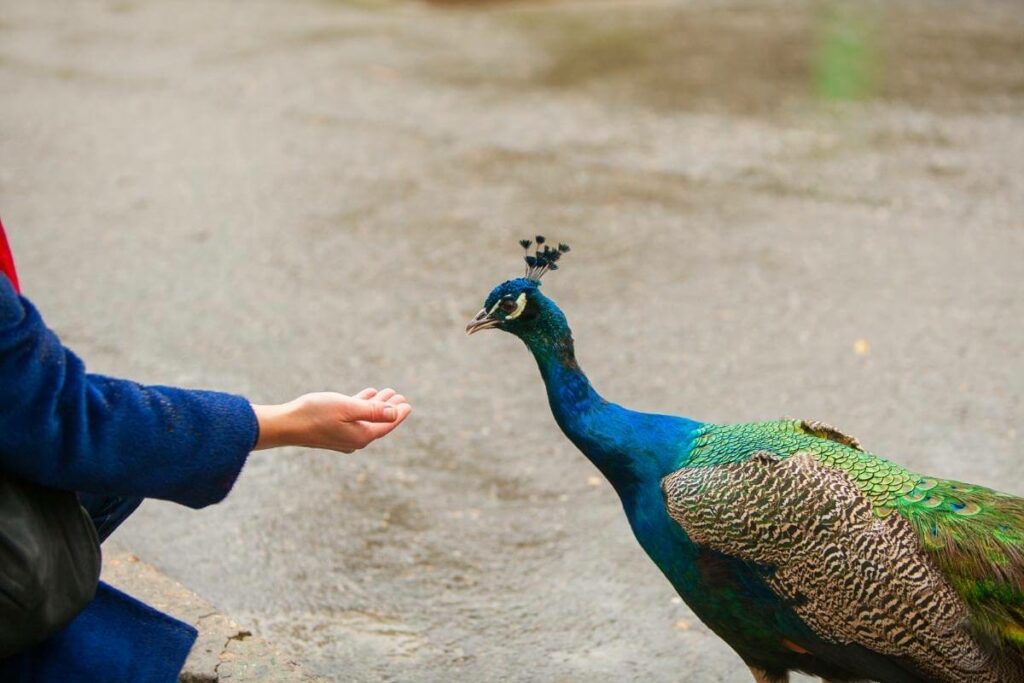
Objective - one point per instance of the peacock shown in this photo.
(797, 547)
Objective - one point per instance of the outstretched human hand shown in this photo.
(333, 421)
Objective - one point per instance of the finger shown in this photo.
(367, 393)
(382, 429)
(370, 411)
(385, 395)
(397, 399)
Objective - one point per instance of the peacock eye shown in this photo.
(512, 308)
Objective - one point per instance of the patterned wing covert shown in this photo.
(852, 575)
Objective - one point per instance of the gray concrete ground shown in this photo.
(276, 197)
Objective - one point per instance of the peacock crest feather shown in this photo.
(545, 258)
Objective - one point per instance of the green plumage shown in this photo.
(972, 534)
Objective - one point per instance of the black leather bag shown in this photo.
(49, 562)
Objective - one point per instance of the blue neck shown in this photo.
(633, 450)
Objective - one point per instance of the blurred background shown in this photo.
(811, 209)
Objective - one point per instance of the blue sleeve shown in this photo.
(65, 428)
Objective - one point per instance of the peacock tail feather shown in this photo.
(976, 537)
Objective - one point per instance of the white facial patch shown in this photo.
(520, 307)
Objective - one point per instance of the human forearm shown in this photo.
(63, 427)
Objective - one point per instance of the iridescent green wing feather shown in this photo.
(976, 537)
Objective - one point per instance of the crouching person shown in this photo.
(78, 454)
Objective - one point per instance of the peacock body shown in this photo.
(797, 547)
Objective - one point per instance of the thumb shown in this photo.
(371, 411)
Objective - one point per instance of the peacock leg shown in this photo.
(762, 676)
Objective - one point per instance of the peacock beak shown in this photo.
(481, 322)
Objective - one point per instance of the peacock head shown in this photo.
(517, 306)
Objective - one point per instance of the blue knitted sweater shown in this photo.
(65, 428)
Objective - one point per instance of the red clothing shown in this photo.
(7, 260)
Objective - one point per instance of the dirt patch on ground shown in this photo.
(759, 58)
